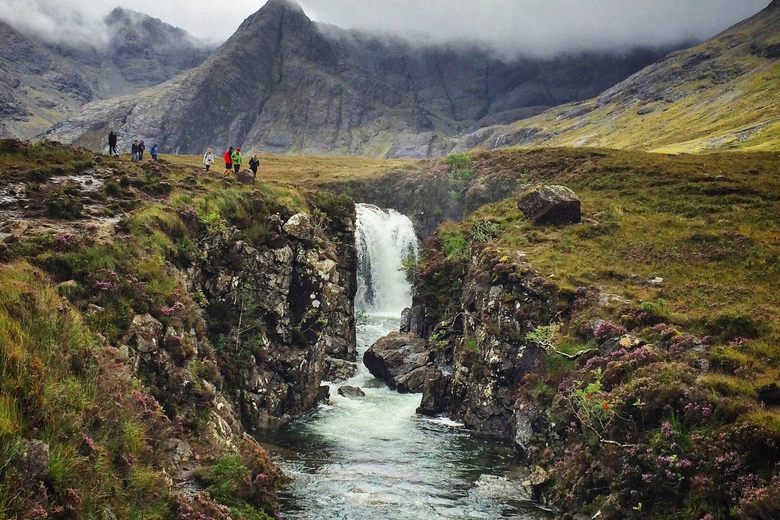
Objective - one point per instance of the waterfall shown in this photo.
(384, 239)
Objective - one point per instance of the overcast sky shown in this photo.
(540, 27)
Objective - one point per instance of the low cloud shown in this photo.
(510, 26)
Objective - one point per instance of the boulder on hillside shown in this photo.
(401, 361)
(551, 205)
(245, 177)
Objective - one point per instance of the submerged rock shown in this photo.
(551, 205)
(401, 361)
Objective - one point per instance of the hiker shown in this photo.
(141, 148)
(229, 161)
(112, 144)
(254, 164)
(237, 160)
(208, 159)
(134, 150)
(153, 151)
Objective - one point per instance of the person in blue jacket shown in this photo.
(153, 151)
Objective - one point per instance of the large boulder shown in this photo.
(401, 361)
(551, 205)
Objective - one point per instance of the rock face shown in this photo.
(551, 205)
(484, 353)
(401, 361)
(294, 86)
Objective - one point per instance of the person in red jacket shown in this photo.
(229, 161)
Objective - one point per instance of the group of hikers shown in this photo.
(137, 149)
(233, 157)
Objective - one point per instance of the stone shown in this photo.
(245, 177)
(351, 391)
(34, 460)
(299, 226)
(401, 361)
(323, 394)
(145, 332)
(337, 370)
(553, 204)
(434, 392)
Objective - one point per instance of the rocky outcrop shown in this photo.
(283, 315)
(551, 205)
(401, 361)
(485, 334)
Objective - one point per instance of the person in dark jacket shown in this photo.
(254, 164)
(134, 150)
(153, 151)
(112, 143)
(141, 148)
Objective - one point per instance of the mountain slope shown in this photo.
(42, 84)
(285, 84)
(722, 94)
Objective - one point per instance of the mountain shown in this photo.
(283, 83)
(43, 83)
(722, 94)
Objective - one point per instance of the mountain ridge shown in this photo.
(721, 94)
(286, 84)
(44, 83)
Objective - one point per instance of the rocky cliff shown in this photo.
(43, 83)
(203, 317)
(282, 83)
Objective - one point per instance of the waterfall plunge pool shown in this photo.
(374, 457)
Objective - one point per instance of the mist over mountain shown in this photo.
(44, 82)
(287, 84)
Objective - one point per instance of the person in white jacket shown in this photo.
(208, 159)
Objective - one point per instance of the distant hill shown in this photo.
(722, 94)
(41, 83)
(283, 83)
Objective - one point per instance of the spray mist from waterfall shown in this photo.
(384, 240)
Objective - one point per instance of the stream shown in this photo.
(374, 457)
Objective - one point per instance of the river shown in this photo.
(374, 457)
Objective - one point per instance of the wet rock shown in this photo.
(434, 396)
(401, 361)
(299, 226)
(323, 394)
(145, 332)
(551, 205)
(337, 370)
(351, 391)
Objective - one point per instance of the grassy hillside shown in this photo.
(93, 243)
(660, 372)
(721, 95)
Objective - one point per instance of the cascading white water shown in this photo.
(384, 240)
(373, 456)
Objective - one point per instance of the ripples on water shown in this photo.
(375, 458)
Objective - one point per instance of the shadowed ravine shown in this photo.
(374, 457)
